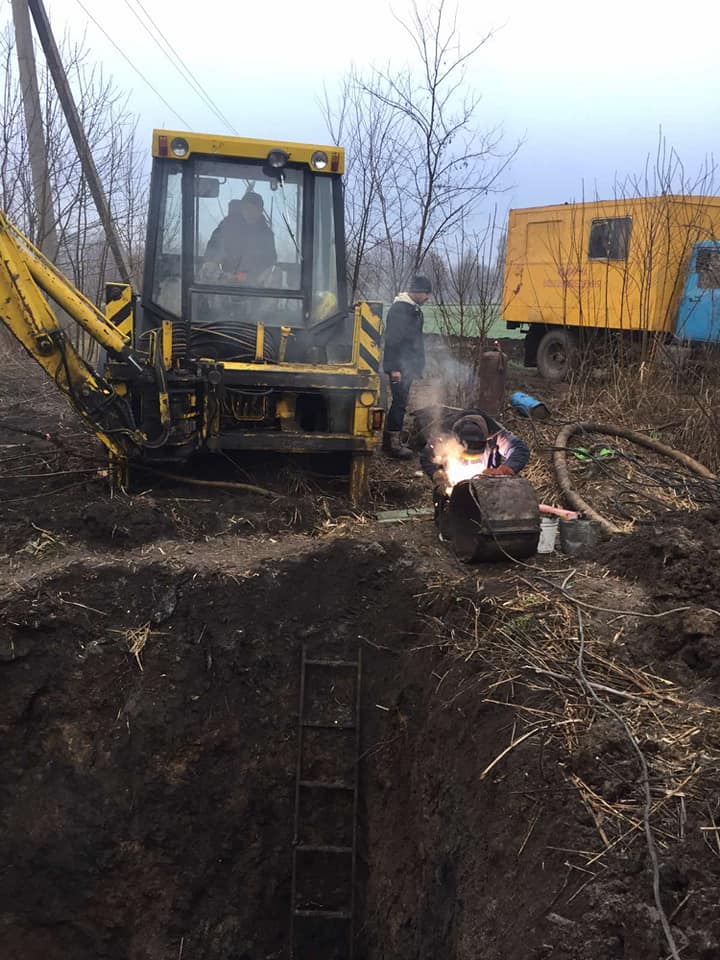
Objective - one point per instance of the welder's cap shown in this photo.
(472, 431)
(419, 284)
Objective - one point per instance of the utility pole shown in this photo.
(46, 235)
(52, 55)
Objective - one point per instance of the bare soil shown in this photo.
(678, 561)
(150, 652)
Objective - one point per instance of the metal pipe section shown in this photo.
(491, 518)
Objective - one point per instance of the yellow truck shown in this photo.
(241, 338)
(626, 266)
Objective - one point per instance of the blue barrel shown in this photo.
(526, 406)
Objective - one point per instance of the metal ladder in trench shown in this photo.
(326, 804)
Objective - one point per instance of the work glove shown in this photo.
(210, 271)
(440, 482)
(502, 471)
(440, 496)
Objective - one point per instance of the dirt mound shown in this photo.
(678, 558)
(678, 561)
(91, 516)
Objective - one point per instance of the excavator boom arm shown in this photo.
(24, 275)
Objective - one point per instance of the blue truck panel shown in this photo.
(699, 311)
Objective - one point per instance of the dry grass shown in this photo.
(634, 485)
(136, 639)
(678, 402)
(390, 484)
(529, 648)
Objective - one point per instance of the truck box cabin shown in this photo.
(648, 264)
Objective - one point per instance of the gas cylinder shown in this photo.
(491, 376)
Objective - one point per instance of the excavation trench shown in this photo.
(148, 756)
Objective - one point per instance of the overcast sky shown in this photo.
(585, 86)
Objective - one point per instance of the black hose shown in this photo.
(563, 474)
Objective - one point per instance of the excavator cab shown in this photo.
(244, 242)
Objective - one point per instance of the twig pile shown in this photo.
(629, 486)
(136, 638)
(530, 646)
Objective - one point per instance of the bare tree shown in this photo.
(366, 124)
(466, 273)
(419, 164)
(82, 247)
(467, 280)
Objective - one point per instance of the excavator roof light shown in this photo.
(278, 158)
(319, 160)
(179, 146)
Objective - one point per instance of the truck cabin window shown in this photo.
(708, 268)
(610, 238)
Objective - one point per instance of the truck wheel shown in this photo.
(557, 355)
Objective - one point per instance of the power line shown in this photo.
(142, 76)
(181, 67)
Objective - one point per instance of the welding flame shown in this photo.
(457, 462)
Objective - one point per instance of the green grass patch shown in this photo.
(434, 323)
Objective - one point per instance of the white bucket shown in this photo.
(548, 534)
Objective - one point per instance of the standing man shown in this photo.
(404, 358)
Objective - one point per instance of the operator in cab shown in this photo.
(243, 244)
(474, 445)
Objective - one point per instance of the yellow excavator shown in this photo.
(241, 338)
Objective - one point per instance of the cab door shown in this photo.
(699, 312)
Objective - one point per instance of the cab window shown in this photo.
(708, 268)
(166, 289)
(248, 226)
(325, 267)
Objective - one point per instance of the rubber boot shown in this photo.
(397, 449)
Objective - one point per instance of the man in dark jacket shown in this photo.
(404, 358)
(475, 444)
(243, 243)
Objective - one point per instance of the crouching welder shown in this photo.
(475, 445)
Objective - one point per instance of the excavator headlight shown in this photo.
(319, 159)
(179, 147)
(277, 159)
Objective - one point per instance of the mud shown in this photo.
(150, 651)
(148, 794)
(148, 797)
(678, 557)
(678, 562)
